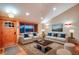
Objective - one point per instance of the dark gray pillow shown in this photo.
(63, 35)
(55, 34)
(34, 34)
(49, 34)
(26, 35)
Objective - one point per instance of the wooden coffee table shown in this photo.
(43, 45)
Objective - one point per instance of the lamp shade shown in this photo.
(71, 31)
(43, 30)
(11, 15)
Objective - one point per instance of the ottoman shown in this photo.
(63, 52)
(69, 46)
(77, 50)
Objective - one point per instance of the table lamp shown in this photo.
(71, 33)
(43, 34)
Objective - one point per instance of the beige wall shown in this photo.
(69, 15)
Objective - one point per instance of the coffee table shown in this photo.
(43, 45)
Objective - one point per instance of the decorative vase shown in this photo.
(43, 36)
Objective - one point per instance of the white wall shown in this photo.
(69, 15)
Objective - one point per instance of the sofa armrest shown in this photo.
(61, 39)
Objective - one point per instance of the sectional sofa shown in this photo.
(28, 37)
(59, 37)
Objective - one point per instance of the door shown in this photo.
(1, 33)
(9, 33)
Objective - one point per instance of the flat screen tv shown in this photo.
(57, 27)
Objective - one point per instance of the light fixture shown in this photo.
(54, 9)
(27, 13)
(47, 24)
(68, 24)
(10, 10)
(71, 33)
(14, 12)
(42, 18)
(45, 21)
(11, 15)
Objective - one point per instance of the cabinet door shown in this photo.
(9, 33)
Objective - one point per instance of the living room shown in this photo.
(39, 29)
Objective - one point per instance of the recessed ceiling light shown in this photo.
(27, 13)
(42, 18)
(47, 24)
(14, 12)
(54, 9)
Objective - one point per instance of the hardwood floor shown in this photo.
(29, 49)
(34, 51)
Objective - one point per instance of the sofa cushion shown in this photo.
(61, 39)
(53, 37)
(62, 35)
(49, 34)
(27, 38)
(50, 37)
(34, 34)
(26, 35)
(55, 34)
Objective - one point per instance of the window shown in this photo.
(29, 28)
(8, 24)
(26, 28)
(21, 28)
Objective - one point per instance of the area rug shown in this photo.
(13, 50)
(31, 50)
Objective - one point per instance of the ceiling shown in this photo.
(36, 10)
